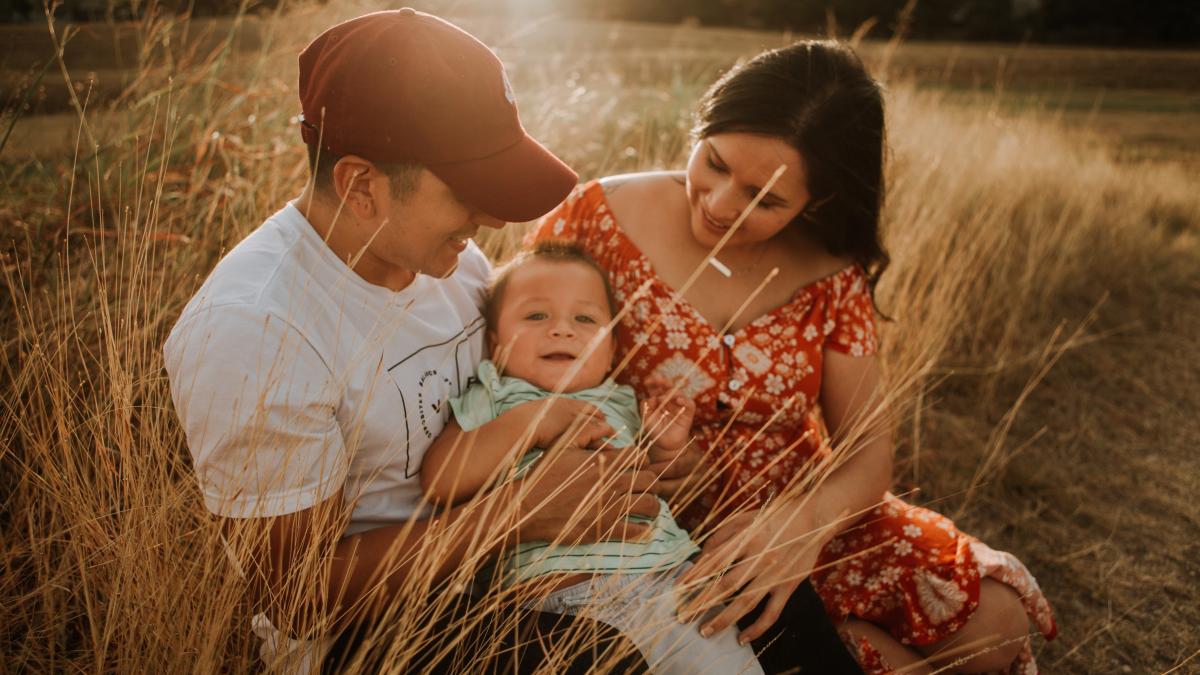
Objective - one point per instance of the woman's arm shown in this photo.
(861, 427)
(770, 551)
(461, 463)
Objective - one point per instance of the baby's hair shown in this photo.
(547, 249)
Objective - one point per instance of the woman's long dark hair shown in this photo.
(817, 97)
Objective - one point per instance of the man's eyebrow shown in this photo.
(752, 188)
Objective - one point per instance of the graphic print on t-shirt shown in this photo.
(425, 388)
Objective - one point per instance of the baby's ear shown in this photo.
(498, 352)
(489, 343)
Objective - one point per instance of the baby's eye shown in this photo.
(584, 318)
(535, 316)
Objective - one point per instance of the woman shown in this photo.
(782, 366)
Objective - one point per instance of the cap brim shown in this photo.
(519, 183)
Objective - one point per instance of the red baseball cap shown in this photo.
(405, 86)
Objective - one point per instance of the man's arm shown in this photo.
(569, 497)
(461, 463)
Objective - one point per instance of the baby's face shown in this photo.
(553, 318)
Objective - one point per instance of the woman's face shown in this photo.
(724, 174)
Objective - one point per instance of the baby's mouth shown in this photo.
(559, 356)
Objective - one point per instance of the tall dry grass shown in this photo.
(1043, 299)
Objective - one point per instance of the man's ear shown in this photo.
(354, 180)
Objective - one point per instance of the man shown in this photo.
(312, 368)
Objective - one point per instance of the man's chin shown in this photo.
(440, 269)
(449, 271)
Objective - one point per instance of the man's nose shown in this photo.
(484, 220)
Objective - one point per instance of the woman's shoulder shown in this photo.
(633, 185)
(635, 198)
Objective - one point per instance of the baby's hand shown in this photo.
(667, 419)
(576, 422)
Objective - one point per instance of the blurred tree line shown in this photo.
(1101, 22)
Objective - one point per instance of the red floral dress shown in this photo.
(902, 567)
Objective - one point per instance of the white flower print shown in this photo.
(748, 417)
(559, 225)
(774, 385)
(752, 358)
(810, 333)
(891, 574)
(912, 531)
(679, 368)
(678, 340)
(940, 600)
(829, 326)
(856, 349)
(902, 547)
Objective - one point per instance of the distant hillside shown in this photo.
(1096, 22)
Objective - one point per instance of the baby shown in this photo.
(549, 313)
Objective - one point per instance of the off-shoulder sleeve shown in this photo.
(852, 316)
(573, 221)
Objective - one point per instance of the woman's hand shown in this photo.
(748, 557)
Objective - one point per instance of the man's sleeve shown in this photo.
(257, 404)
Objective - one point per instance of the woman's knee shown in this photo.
(997, 632)
(894, 654)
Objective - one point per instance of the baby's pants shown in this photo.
(642, 607)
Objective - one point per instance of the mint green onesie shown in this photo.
(667, 545)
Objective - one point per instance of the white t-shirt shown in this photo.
(293, 376)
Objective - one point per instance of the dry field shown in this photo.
(1043, 216)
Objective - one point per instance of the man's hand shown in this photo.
(582, 496)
